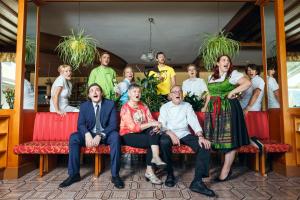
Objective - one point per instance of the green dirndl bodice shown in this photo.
(217, 127)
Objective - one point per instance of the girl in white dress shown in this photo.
(195, 86)
(61, 91)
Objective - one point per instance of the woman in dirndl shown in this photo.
(224, 120)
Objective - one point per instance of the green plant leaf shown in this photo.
(215, 45)
(77, 49)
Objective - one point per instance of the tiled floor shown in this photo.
(245, 185)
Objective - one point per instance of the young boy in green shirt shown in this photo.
(105, 76)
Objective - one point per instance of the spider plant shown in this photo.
(30, 50)
(77, 49)
(215, 45)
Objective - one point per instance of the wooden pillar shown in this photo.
(13, 166)
(37, 58)
(264, 51)
(287, 163)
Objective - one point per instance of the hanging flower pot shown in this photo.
(215, 45)
(77, 49)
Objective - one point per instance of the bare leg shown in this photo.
(229, 158)
(155, 155)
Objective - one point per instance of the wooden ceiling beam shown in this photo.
(5, 42)
(292, 22)
(293, 31)
(8, 20)
(8, 30)
(9, 9)
(292, 11)
(118, 1)
(293, 39)
(251, 44)
(239, 16)
(39, 2)
(7, 37)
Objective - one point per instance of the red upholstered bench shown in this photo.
(258, 126)
(51, 135)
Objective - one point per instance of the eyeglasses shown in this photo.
(176, 92)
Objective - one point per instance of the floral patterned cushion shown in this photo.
(273, 146)
(62, 147)
(248, 149)
(49, 147)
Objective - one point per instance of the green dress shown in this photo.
(106, 78)
(224, 123)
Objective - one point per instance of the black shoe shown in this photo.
(170, 181)
(200, 187)
(117, 181)
(228, 177)
(70, 180)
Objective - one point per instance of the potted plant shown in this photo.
(9, 94)
(149, 93)
(30, 50)
(196, 101)
(215, 45)
(77, 49)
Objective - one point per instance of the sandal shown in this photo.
(153, 179)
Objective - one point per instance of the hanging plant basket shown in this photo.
(29, 51)
(77, 49)
(215, 45)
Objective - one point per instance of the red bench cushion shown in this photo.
(53, 127)
(257, 124)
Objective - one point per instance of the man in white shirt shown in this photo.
(175, 117)
(273, 89)
(252, 98)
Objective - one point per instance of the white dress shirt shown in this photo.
(257, 83)
(177, 118)
(272, 86)
(194, 85)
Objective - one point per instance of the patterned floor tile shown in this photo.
(245, 185)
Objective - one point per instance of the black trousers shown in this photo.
(142, 140)
(202, 155)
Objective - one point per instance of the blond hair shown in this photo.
(61, 67)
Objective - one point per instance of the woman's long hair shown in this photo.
(216, 74)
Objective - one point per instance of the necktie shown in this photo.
(98, 124)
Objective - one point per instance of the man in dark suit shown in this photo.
(97, 123)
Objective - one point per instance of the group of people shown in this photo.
(224, 127)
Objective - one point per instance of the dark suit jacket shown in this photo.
(87, 119)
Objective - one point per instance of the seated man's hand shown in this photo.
(88, 140)
(174, 138)
(96, 141)
(204, 143)
(199, 134)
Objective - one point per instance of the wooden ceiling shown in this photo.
(292, 24)
(8, 24)
(245, 25)
(247, 18)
